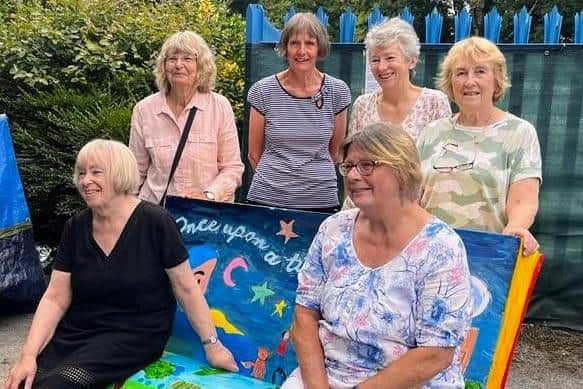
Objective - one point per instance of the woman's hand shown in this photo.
(529, 243)
(220, 357)
(23, 371)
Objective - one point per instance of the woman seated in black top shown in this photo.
(108, 309)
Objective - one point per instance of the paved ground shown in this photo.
(545, 357)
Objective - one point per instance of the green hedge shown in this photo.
(71, 70)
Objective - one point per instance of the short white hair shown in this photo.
(394, 30)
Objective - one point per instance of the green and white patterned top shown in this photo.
(467, 171)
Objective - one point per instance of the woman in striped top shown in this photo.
(297, 121)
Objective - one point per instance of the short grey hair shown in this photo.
(394, 30)
(117, 160)
(304, 22)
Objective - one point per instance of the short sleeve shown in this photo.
(255, 96)
(525, 156)
(312, 277)
(342, 96)
(170, 245)
(355, 123)
(442, 106)
(443, 293)
(64, 257)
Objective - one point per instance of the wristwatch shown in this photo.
(209, 195)
(210, 340)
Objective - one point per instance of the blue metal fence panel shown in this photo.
(374, 18)
(407, 16)
(579, 27)
(347, 26)
(522, 21)
(492, 25)
(552, 22)
(462, 25)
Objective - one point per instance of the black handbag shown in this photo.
(179, 149)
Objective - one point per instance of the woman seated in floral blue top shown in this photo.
(384, 297)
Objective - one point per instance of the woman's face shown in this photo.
(93, 183)
(302, 51)
(181, 69)
(379, 187)
(473, 85)
(390, 66)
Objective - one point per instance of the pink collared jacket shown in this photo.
(211, 159)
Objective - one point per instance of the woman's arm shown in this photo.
(228, 158)
(521, 209)
(192, 300)
(256, 137)
(53, 305)
(304, 333)
(137, 145)
(414, 368)
(338, 134)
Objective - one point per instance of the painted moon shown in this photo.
(235, 263)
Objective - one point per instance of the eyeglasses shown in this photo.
(450, 153)
(364, 167)
(187, 59)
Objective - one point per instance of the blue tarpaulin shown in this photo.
(21, 277)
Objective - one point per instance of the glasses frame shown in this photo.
(344, 168)
(173, 59)
(459, 167)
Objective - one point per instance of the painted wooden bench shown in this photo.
(246, 258)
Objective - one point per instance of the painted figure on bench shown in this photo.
(108, 309)
(384, 293)
(482, 168)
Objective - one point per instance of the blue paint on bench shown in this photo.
(247, 258)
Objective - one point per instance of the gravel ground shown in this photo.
(545, 357)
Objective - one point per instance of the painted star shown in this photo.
(261, 292)
(287, 230)
(279, 307)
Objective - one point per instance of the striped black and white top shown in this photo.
(295, 169)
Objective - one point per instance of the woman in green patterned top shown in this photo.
(482, 167)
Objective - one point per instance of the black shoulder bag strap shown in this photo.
(179, 149)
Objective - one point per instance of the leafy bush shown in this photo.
(71, 70)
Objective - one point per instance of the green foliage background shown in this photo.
(71, 71)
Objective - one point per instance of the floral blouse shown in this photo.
(430, 105)
(372, 316)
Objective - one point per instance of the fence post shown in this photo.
(579, 27)
(321, 15)
(347, 26)
(374, 17)
(553, 21)
(288, 15)
(462, 23)
(492, 25)
(433, 24)
(407, 16)
(522, 22)
(258, 28)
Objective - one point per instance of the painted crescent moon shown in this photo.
(235, 263)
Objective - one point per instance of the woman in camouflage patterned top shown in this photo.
(482, 168)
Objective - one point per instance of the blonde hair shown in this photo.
(474, 50)
(117, 160)
(304, 22)
(394, 30)
(187, 42)
(393, 146)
